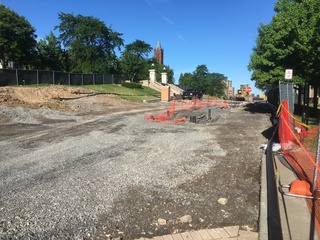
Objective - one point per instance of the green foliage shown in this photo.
(17, 38)
(139, 48)
(163, 68)
(290, 41)
(50, 54)
(131, 65)
(135, 64)
(90, 43)
(134, 60)
(209, 83)
(133, 85)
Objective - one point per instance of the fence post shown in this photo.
(17, 78)
(52, 77)
(82, 79)
(69, 78)
(286, 121)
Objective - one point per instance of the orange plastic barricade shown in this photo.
(180, 106)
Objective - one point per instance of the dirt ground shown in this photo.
(216, 184)
(62, 98)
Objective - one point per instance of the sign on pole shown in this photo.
(249, 89)
(288, 74)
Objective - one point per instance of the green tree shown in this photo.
(135, 64)
(90, 43)
(201, 79)
(290, 41)
(17, 38)
(51, 55)
(215, 84)
(131, 65)
(160, 68)
(139, 48)
(186, 79)
(134, 60)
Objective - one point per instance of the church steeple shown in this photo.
(158, 53)
(158, 45)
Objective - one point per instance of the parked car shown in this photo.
(191, 93)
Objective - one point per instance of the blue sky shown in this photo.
(217, 33)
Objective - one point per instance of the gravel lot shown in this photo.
(108, 174)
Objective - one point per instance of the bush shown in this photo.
(131, 85)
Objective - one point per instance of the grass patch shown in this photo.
(137, 95)
(312, 121)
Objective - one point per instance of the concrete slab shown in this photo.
(263, 224)
(225, 233)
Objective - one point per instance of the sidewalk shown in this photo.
(225, 233)
(295, 215)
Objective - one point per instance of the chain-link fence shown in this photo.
(35, 77)
(286, 92)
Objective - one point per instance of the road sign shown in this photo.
(249, 89)
(288, 74)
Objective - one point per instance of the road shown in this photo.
(96, 175)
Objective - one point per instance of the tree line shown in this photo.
(212, 84)
(84, 45)
(290, 41)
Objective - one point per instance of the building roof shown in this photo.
(158, 45)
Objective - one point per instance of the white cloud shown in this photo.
(168, 20)
(181, 38)
(152, 2)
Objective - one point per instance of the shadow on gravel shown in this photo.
(258, 107)
(263, 107)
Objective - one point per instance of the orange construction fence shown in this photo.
(179, 106)
(299, 144)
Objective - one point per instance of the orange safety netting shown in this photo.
(299, 144)
(179, 106)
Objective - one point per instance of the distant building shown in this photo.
(229, 91)
(158, 53)
(12, 65)
(262, 96)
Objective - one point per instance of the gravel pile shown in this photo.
(32, 116)
(67, 180)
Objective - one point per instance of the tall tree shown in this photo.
(186, 79)
(139, 48)
(135, 63)
(134, 60)
(17, 38)
(90, 43)
(215, 85)
(290, 41)
(131, 65)
(51, 55)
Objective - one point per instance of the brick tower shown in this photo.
(158, 53)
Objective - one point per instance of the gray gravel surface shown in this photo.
(96, 176)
